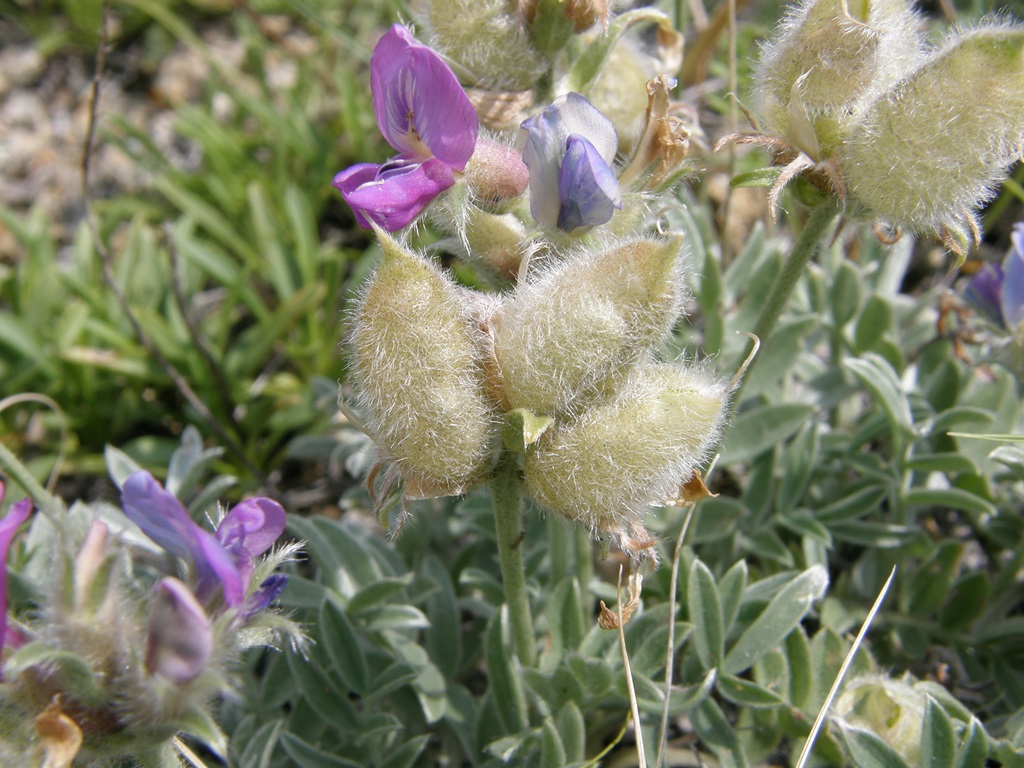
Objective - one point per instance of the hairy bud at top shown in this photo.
(830, 55)
(928, 152)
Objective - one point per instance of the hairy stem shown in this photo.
(506, 492)
(817, 227)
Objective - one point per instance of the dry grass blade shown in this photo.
(634, 707)
(805, 754)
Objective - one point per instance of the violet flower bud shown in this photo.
(180, 640)
(269, 590)
(423, 113)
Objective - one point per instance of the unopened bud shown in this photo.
(417, 370)
(498, 242)
(88, 564)
(180, 640)
(585, 321)
(828, 56)
(487, 38)
(932, 149)
(496, 172)
(604, 468)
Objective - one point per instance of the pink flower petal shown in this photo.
(396, 194)
(416, 95)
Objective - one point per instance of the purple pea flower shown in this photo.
(180, 639)
(424, 114)
(998, 289)
(224, 558)
(569, 150)
(15, 516)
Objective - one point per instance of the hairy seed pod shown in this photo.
(417, 369)
(928, 152)
(604, 468)
(570, 330)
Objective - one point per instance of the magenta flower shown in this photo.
(569, 150)
(180, 639)
(15, 516)
(224, 558)
(425, 115)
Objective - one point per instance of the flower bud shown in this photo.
(827, 57)
(498, 242)
(605, 467)
(417, 371)
(487, 38)
(585, 13)
(582, 322)
(496, 172)
(180, 640)
(929, 151)
(89, 562)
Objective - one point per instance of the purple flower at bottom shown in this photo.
(16, 515)
(223, 559)
(425, 115)
(569, 150)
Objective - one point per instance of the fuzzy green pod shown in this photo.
(584, 321)
(934, 147)
(827, 58)
(604, 468)
(416, 366)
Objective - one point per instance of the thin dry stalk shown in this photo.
(676, 557)
(634, 707)
(805, 754)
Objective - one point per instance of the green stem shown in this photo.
(506, 492)
(560, 549)
(818, 225)
(585, 568)
(46, 502)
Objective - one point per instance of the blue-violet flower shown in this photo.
(569, 150)
(998, 289)
(224, 558)
(15, 516)
(424, 114)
